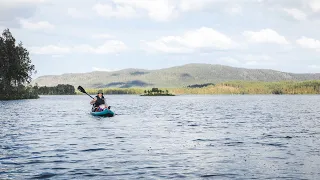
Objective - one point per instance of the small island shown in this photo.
(156, 92)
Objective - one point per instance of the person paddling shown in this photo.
(99, 102)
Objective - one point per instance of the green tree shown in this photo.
(15, 67)
(154, 90)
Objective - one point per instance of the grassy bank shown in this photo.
(234, 87)
(240, 87)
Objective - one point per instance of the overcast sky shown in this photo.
(85, 35)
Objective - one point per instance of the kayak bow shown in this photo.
(105, 112)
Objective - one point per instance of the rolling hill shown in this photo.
(178, 76)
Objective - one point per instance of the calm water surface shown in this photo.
(188, 137)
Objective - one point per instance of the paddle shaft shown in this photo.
(89, 95)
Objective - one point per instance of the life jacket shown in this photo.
(99, 101)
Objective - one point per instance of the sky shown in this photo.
(76, 36)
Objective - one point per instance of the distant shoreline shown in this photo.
(231, 88)
(235, 88)
(80, 94)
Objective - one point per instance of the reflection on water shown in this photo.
(222, 137)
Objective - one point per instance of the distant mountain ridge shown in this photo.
(178, 76)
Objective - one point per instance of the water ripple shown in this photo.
(44, 175)
(181, 137)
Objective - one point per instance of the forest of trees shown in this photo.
(60, 89)
(16, 69)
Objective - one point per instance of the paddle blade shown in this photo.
(81, 89)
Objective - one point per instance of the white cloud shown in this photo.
(190, 41)
(159, 10)
(27, 24)
(265, 36)
(314, 5)
(296, 14)
(309, 43)
(111, 46)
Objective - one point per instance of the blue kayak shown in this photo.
(106, 112)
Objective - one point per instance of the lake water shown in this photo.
(187, 137)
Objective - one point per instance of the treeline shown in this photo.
(200, 85)
(233, 87)
(60, 89)
(16, 69)
(285, 87)
(247, 87)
